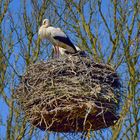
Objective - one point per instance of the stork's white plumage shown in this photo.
(62, 51)
(56, 36)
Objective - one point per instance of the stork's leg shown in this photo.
(56, 52)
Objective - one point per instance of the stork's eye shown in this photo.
(44, 22)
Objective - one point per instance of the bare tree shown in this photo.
(108, 30)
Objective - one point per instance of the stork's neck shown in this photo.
(45, 26)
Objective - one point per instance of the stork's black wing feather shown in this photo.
(65, 40)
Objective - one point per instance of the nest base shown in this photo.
(77, 122)
(72, 94)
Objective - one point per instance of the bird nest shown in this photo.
(70, 94)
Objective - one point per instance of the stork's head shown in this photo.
(46, 23)
(42, 32)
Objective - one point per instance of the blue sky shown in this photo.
(14, 8)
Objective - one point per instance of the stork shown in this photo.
(57, 37)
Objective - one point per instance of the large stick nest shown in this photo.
(69, 94)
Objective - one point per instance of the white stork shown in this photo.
(57, 37)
